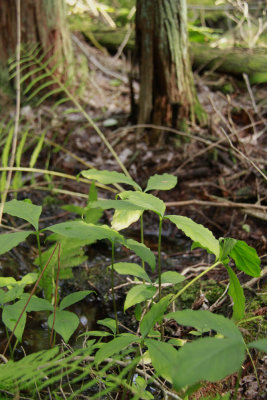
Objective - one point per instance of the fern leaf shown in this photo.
(37, 150)
(43, 86)
(37, 79)
(58, 90)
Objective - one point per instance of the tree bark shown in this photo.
(42, 22)
(167, 93)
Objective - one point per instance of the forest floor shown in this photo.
(220, 167)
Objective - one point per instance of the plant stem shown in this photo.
(159, 255)
(253, 364)
(39, 248)
(112, 286)
(159, 272)
(142, 236)
(92, 123)
(194, 280)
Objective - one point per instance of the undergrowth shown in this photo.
(115, 361)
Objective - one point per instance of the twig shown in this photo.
(96, 63)
(17, 112)
(226, 203)
(243, 155)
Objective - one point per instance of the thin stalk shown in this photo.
(193, 281)
(130, 375)
(56, 297)
(159, 256)
(55, 173)
(237, 384)
(27, 302)
(253, 364)
(92, 123)
(159, 272)
(142, 235)
(17, 111)
(39, 248)
(112, 286)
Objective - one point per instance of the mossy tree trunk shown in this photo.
(167, 93)
(42, 22)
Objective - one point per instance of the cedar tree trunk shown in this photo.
(167, 93)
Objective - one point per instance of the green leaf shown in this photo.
(155, 314)
(73, 298)
(12, 294)
(66, 323)
(161, 182)
(36, 303)
(172, 277)
(137, 294)
(163, 357)
(246, 258)
(81, 230)
(208, 359)
(197, 232)
(115, 346)
(236, 292)
(205, 320)
(10, 240)
(7, 281)
(22, 209)
(37, 149)
(110, 323)
(141, 251)
(11, 314)
(92, 193)
(226, 246)
(109, 177)
(92, 215)
(145, 201)
(124, 268)
(123, 218)
(260, 344)
(117, 205)
(28, 279)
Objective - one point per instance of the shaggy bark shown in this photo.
(167, 94)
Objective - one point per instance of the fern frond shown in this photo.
(43, 86)
(37, 79)
(60, 101)
(37, 150)
(51, 93)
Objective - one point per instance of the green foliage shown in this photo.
(25, 210)
(210, 358)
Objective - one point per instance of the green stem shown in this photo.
(112, 286)
(142, 235)
(159, 256)
(253, 364)
(194, 280)
(91, 122)
(39, 248)
(237, 384)
(159, 272)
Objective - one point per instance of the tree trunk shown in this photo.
(167, 94)
(42, 22)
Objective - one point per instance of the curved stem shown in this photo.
(194, 280)
(159, 272)
(159, 256)
(112, 286)
(142, 235)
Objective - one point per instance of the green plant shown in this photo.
(219, 353)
